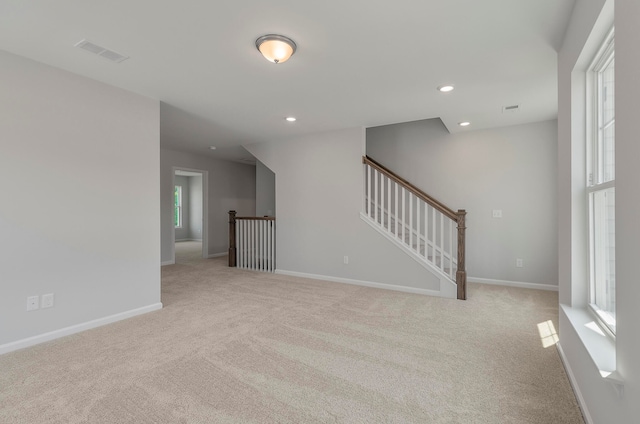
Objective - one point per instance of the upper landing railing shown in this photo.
(252, 242)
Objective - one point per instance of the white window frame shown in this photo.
(177, 207)
(595, 173)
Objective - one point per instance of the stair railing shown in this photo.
(417, 221)
(252, 242)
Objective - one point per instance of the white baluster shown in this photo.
(451, 248)
(442, 242)
(410, 220)
(382, 200)
(418, 236)
(256, 244)
(435, 236)
(240, 242)
(395, 212)
(389, 204)
(426, 230)
(273, 246)
(403, 215)
(375, 194)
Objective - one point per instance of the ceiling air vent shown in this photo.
(101, 51)
(510, 109)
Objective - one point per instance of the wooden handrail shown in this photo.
(257, 218)
(459, 217)
(415, 190)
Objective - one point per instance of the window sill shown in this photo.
(600, 346)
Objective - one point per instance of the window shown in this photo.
(177, 209)
(601, 185)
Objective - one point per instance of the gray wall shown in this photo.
(84, 213)
(603, 404)
(184, 232)
(512, 169)
(231, 185)
(265, 191)
(319, 198)
(195, 207)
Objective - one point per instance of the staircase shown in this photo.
(427, 230)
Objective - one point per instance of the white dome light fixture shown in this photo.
(446, 88)
(276, 48)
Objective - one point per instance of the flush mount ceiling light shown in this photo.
(446, 88)
(290, 119)
(464, 123)
(276, 48)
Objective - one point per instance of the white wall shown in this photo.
(319, 196)
(589, 22)
(265, 191)
(195, 207)
(512, 169)
(83, 215)
(231, 185)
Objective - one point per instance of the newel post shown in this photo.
(232, 238)
(461, 274)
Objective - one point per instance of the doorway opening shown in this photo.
(190, 237)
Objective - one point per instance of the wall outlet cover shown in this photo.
(47, 300)
(33, 303)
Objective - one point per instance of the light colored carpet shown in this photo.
(235, 346)
(188, 251)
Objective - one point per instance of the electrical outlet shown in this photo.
(497, 213)
(47, 300)
(33, 303)
(519, 263)
(346, 260)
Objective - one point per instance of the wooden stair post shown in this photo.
(461, 274)
(232, 238)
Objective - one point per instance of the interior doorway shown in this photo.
(190, 236)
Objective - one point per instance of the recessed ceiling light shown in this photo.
(290, 119)
(446, 88)
(464, 124)
(212, 147)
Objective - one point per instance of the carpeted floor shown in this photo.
(236, 346)
(188, 252)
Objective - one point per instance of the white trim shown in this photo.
(574, 384)
(405, 289)
(172, 262)
(520, 284)
(217, 255)
(600, 347)
(187, 239)
(56, 334)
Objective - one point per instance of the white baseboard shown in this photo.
(167, 263)
(56, 334)
(574, 384)
(217, 255)
(520, 284)
(187, 239)
(405, 289)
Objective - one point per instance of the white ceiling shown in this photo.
(358, 63)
